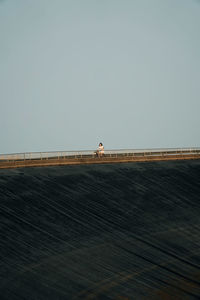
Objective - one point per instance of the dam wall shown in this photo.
(101, 231)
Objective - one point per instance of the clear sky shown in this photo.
(74, 73)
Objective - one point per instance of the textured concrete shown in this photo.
(114, 231)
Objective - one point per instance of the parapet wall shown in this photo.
(89, 157)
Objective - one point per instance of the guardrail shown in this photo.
(89, 156)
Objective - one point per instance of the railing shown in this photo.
(92, 154)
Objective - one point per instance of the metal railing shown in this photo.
(92, 154)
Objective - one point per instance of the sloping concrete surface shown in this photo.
(114, 231)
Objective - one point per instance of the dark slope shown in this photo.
(121, 231)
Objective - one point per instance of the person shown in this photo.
(100, 150)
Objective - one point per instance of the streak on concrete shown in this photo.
(107, 231)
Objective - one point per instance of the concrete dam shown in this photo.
(101, 231)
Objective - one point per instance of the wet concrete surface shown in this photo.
(115, 231)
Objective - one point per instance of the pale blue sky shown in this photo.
(76, 72)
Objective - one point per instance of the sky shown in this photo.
(74, 73)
